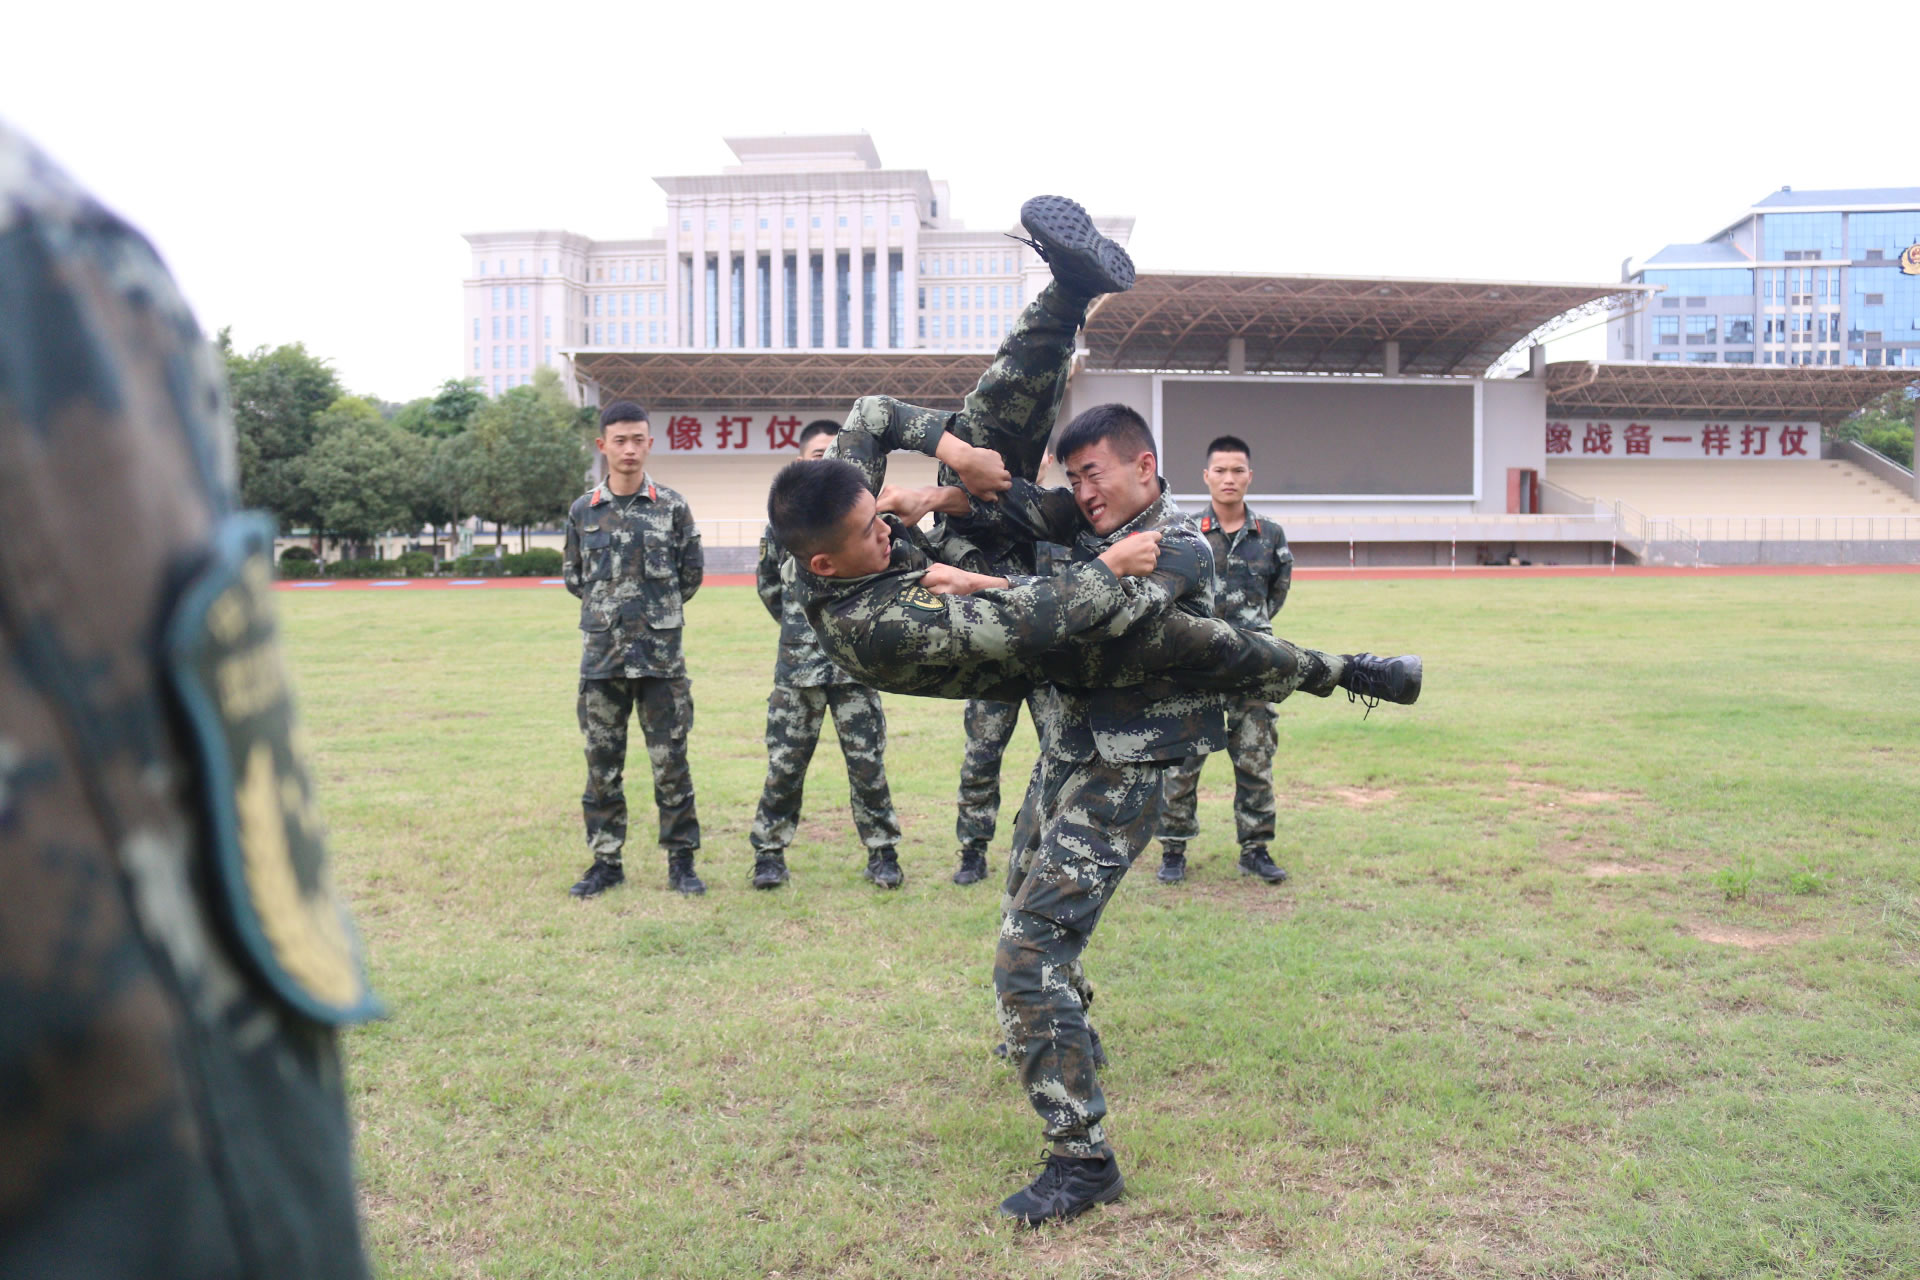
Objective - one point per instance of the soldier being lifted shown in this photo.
(806, 684)
(1129, 610)
(1254, 566)
(633, 557)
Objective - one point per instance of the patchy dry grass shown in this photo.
(1501, 1022)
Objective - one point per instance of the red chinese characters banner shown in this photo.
(731, 432)
(1627, 438)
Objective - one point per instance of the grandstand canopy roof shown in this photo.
(814, 380)
(1329, 324)
(1790, 392)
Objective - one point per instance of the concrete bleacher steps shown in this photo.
(1711, 500)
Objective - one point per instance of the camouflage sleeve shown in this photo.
(766, 574)
(877, 426)
(570, 571)
(1028, 513)
(693, 558)
(1283, 574)
(1184, 572)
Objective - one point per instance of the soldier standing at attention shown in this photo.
(1255, 567)
(806, 684)
(633, 557)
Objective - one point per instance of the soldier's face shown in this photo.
(1111, 490)
(866, 543)
(1228, 476)
(625, 445)
(816, 447)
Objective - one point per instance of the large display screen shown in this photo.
(1324, 438)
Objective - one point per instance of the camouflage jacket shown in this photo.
(1129, 725)
(889, 632)
(173, 958)
(801, 662)
(1255, 567)
(633, 565)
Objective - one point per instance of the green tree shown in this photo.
(278, 398)
(524, 458)
(364, 473)
(1885, 424)
(440, 496)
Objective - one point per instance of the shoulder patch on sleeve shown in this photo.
(918, 597)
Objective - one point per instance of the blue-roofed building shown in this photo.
(1803, 277)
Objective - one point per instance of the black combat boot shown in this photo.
(1255, 862)
(680, 875)
(769, 870)
(1372, 681)
(599, 878)
(1080, 258)
(973, 867)
(1173, 863)
(1065, 1188)
(883, 868)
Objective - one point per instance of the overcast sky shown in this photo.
(307, 171)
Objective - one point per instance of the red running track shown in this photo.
(325, 585)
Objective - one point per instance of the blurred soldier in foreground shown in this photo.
(633, 557)
(806, 684)
(173, 961)
(1255, 567)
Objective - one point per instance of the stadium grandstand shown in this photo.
(1394, 421)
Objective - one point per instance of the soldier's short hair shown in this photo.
(1117, 424)
(818, 427)
(809, 501)
(621, 411)
(1228, 444)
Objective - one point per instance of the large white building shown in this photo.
(808, 244)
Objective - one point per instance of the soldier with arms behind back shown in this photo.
(1255, 568)
(806, 685)
(633, 557)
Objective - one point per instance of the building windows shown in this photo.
(964, 328)
(789, 224)
(526, 324)
(739, 224)
(817, 301)
(686, 224)
(496, 328)
(502, 264)
(1738, 329)
(866, 220)
(476, 357)
(1738, 357)
(1666, 330)
(483, 267)
(964, 264)
(737, 298)
(523, 357)
(713, 301)
(496, 384)
(923, 328)
(1666, 355)
(546, 266)
(790, 279)
(949, 297)
(920, 293)
(868, 289)
(894, 221)
(1703, 282)
(599, 331)
(950, 326)
(816, 222)
(763, 290)
(713, 224)
(763, 224)
(896, 300)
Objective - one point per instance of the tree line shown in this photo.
(353, 467)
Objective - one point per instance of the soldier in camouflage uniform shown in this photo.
(633, 557)
(888, 608)
(1255, 568)
(806, 685)
(174, 964)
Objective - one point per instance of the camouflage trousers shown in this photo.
(989, 727)
(794, 718)
(1079, 832)
(666, 716)
(1252, 741)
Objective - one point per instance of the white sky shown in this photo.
(307, 171)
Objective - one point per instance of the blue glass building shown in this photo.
(1804, 277)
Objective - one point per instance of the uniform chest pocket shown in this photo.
(656, 555)
(596, 554)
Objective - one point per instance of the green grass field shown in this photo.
(1601, 961)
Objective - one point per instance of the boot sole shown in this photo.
(1413, 683)
(1074, 247)
(1107, 1196)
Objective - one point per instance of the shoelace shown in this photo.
(1031, 244)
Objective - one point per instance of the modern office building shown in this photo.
(808, 244)
(1802, 278)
